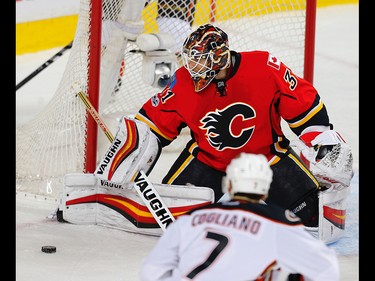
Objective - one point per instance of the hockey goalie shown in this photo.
(225, 116)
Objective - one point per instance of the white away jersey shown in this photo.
(238, 242)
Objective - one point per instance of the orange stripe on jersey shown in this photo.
(307, 117)
(180, 169)
(152, 126)
(302, 166)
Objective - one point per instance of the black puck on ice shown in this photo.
(48, 249)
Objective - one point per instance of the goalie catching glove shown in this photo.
(328, 157)
(330, 160)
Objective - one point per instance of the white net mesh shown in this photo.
(53, 143)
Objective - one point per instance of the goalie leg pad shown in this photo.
(87, 200)
(293, 187)
(79, 188)
(332, 213)
(134, 148)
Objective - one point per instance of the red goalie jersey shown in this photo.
(242, 113)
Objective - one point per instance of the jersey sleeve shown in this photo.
(299, 252)
(162, 261)
(299, 103)
(161, 111)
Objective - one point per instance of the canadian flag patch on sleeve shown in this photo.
(273, 62)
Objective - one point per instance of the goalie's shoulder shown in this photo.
(263, 61)
(257, 55)
(180, 82)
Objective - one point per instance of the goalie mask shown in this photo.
(205, 52)
(248, 173)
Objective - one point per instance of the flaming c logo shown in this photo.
(231, 127)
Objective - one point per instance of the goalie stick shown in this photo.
(44, 65)
(96, 116)
(142, 184)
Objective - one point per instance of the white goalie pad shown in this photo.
(332, 214)
(87, 200)
(134, 148)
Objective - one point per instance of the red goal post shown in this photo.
(114, 73)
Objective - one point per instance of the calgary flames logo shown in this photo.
(230, 127)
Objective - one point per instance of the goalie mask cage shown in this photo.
(63, 138)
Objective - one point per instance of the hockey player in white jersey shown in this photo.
(241, 239)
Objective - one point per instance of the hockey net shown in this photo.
(56, 141)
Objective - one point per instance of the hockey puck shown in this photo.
(49, 249)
